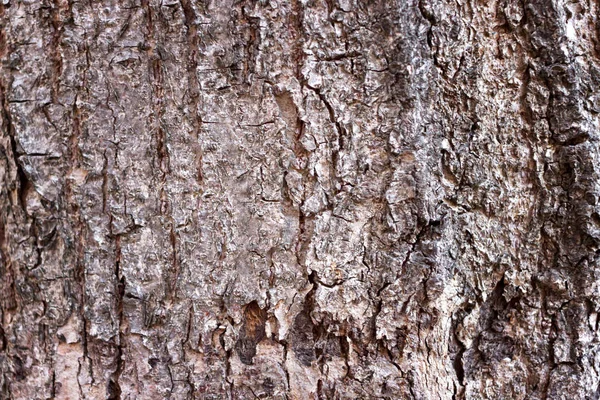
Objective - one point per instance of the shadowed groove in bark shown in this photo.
(252, 332)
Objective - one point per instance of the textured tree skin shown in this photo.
(299, 199)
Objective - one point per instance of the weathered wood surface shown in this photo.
(332, 199)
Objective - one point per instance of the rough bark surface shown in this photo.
(303, 199)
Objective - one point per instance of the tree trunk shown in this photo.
(304, 199)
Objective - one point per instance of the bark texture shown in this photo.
(303, 199)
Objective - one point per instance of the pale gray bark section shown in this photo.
(320, 199)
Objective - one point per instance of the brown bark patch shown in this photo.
(252, 332)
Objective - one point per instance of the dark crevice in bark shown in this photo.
(304, 221)
(105, 192)
(302, 331)
(54, 49)
(230, 388)
(53, 385)
(175, 264)
(251, 333)
(156, 71)
(188, 331)
(114, 388)
(194, 85)
(79, 229)
(23, 182)
(252, 44)
(340, 133)
(161, 138)
(155, 68)
(411, 385)
(283, 365)
(490, 312)
(74, 150)
(8, 299)
(430, 18)
(297, 23)
(458, 365)
(86, 353)
(527, 54)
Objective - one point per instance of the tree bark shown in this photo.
(303, 199)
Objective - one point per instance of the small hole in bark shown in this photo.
(596, 219)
